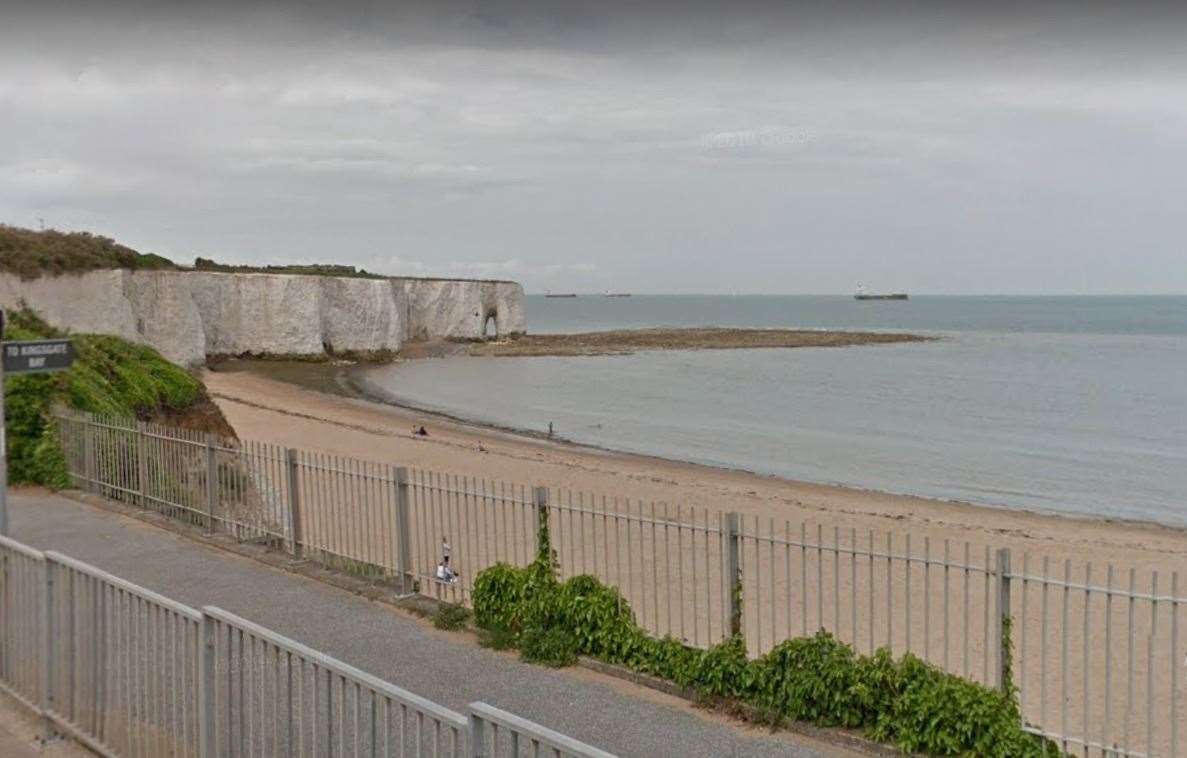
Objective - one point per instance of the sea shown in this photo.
(1075, 405)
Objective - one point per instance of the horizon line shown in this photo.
(850, 294)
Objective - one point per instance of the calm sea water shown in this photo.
(1063, 404)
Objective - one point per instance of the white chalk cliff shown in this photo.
(189, 315)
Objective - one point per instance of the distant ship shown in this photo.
(617, 294)
(561, 294)
(862, 294)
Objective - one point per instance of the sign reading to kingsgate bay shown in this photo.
(37, 355)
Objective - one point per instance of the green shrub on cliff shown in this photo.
(109, 376)
(30, 254)
(308, 269)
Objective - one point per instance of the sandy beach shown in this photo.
(944, 615)
(265, 409)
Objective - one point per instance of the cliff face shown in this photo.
(190, 315)
(454, 309)
(294, 315)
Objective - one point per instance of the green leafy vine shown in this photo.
(905, 702)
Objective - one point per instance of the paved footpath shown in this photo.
(624, 719)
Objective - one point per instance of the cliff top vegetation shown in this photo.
(30, 254)
(316, 269)
(110, 376)
(311, 269)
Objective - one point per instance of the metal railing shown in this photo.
(483, 522)
(129, 672)
(668, 563)
(120, 662)
(279, 697)
(1096, 665)
(22, 635)
(496, 733)
(872, 590)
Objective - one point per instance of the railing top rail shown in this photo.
(842, 549)
(501, 496)
(439, 712)
(545, 735)
(133, 425)
(123, 584)
(1117, 591)
(368, 470)
(593, 510)
(21, 548)
(170, 438)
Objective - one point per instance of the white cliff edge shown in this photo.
(189, 315)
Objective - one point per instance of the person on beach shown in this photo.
(420, 432)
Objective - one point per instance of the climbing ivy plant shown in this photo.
(905, 702)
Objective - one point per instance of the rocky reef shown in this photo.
(189, 315)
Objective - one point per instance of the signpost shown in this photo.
(32, 357)
(37, 356)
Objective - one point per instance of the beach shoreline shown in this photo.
(956, 549)
(274, 402)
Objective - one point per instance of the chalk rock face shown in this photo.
(167, 317)
(188, 315)
(454, 309)
(285, 314)
(147, 307)
(258, 313)
(360, 315)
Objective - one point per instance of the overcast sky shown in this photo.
(932, 147)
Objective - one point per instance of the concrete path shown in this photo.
(12, 746)
(20, 732)
(615, 716)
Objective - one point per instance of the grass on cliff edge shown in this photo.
(30, 254)
(110, 375)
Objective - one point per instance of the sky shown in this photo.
(690, 147)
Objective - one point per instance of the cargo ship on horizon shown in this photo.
(863, 294)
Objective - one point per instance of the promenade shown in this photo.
(615, 716)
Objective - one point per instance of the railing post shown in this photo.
(206, 683)
(733, 600)
(540, 515)
(403, 527)
(3, 447)
(142, 463)
(477, 736)
(1002, 623)
(88, 453)
(211, 485)
(47, 652)
(291, 461)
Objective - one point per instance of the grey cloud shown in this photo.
(642, 146)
